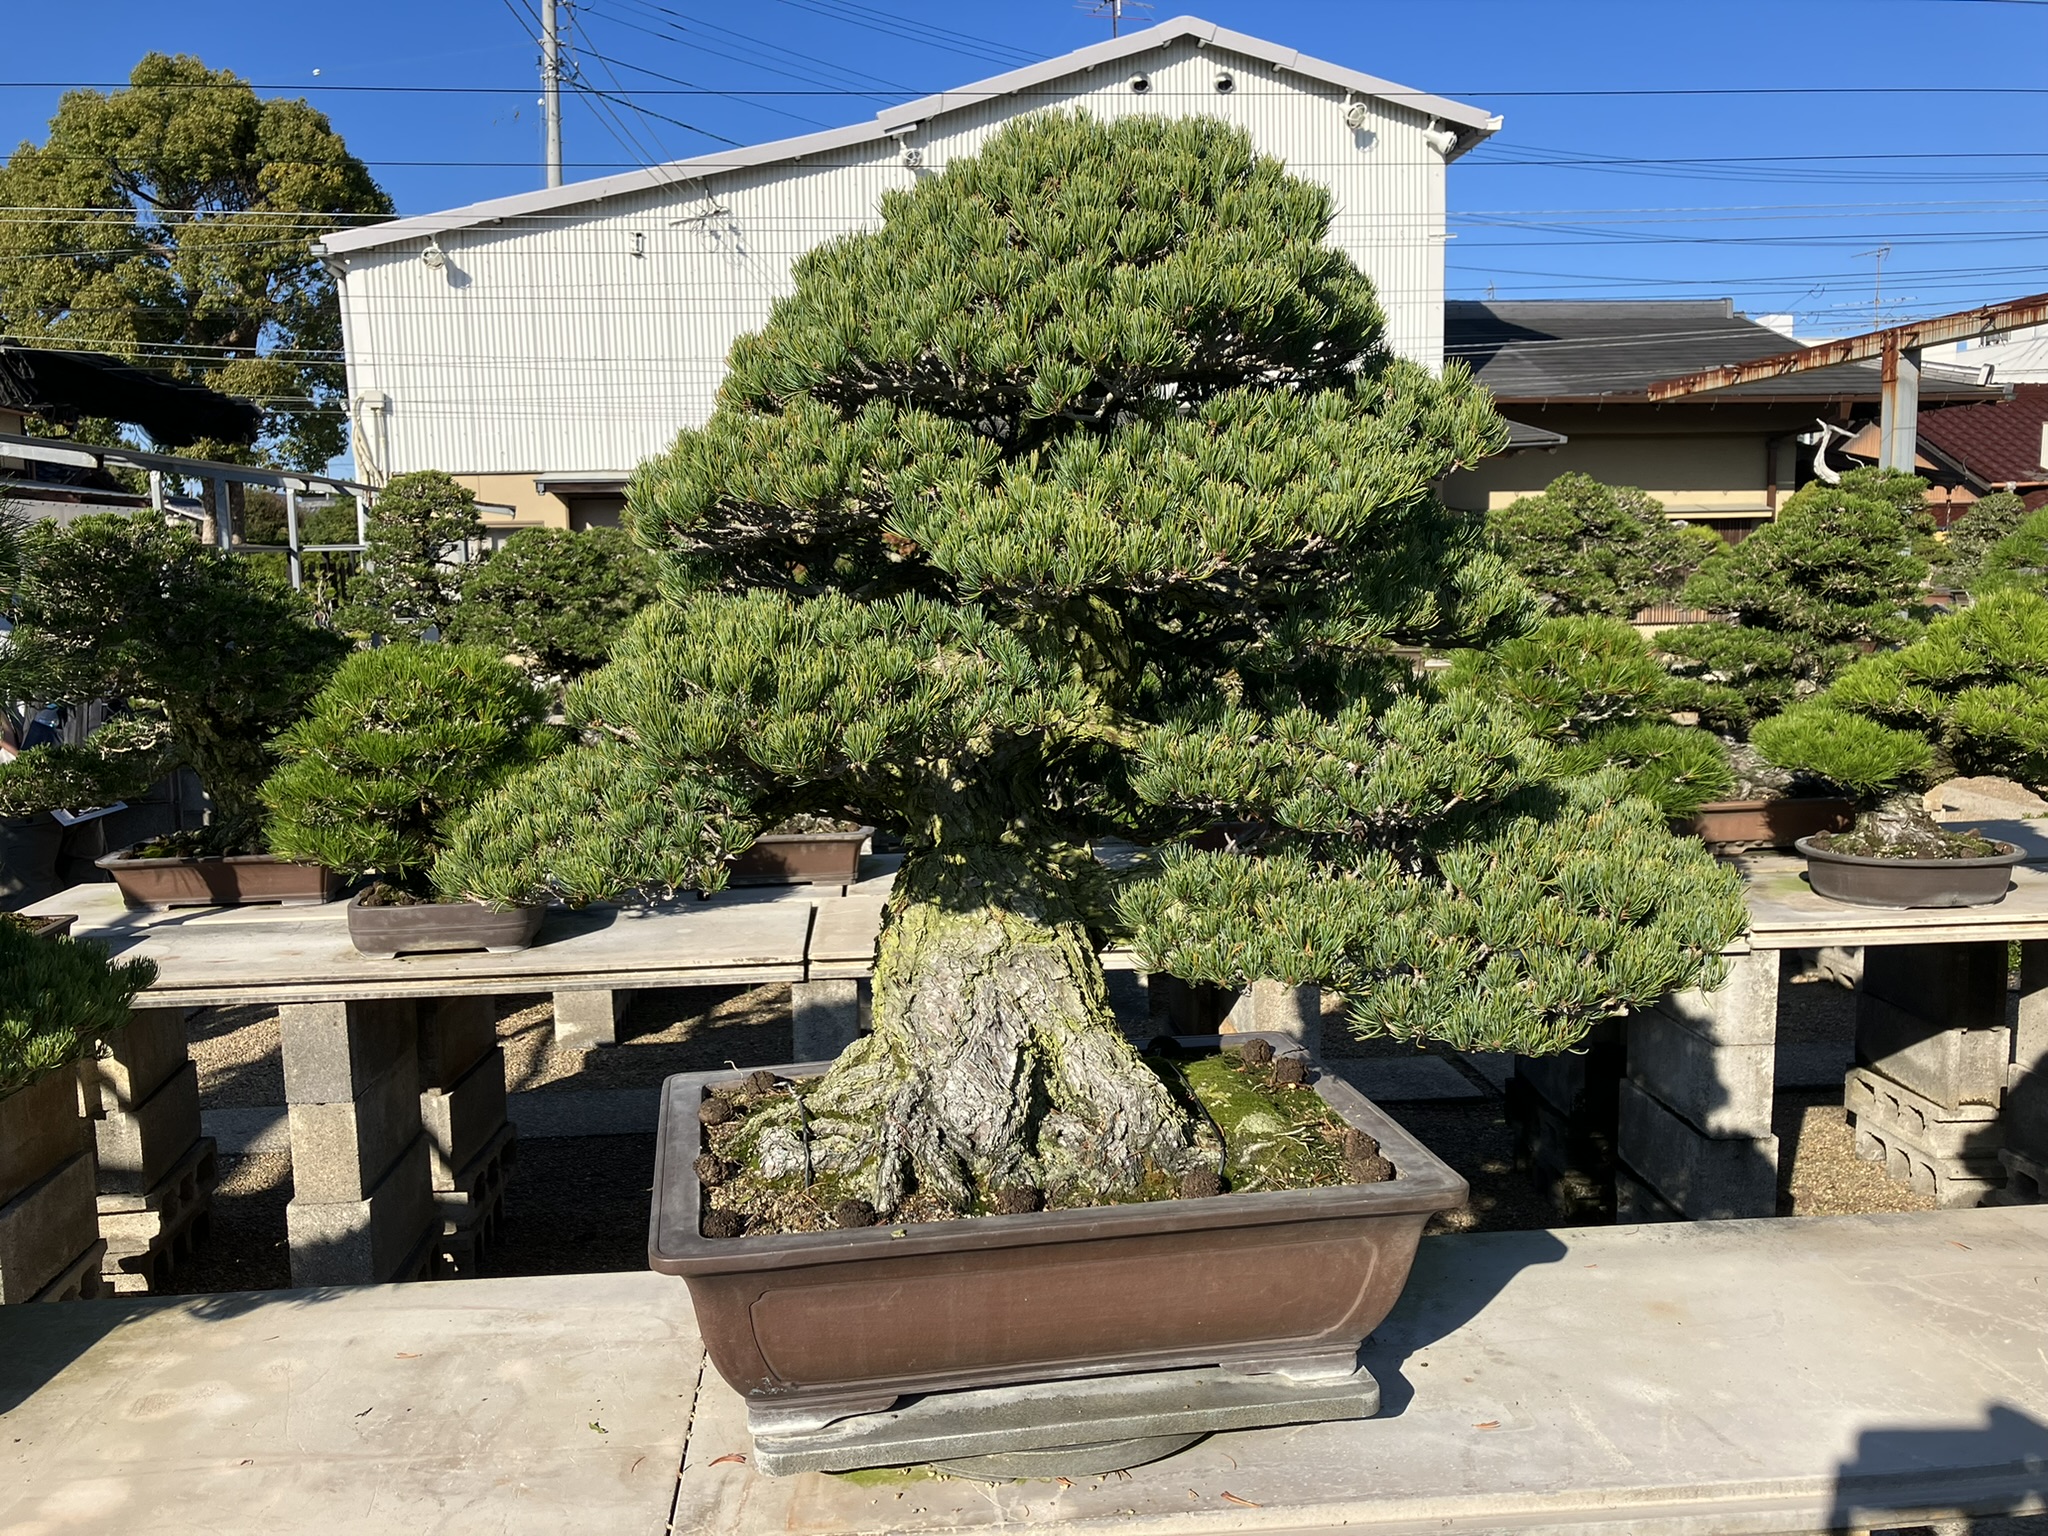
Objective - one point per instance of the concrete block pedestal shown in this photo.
(462, 1110)
(1565, 1112)
(2024, 1117)
(49, 1235)
(589, 1020)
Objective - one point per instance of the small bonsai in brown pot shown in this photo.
(402, 740)
(1971, 696)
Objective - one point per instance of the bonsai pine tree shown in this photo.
(401, 739)
(127, 608)
(554, 597)
(1083, 496)
(1835, 572)
(2020, 559)
(1585, 547)
(412, 574)
(1959, 554)
(59, 998)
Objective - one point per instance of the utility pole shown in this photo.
(551, 86)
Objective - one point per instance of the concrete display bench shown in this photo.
(1843, 1374)
(1944, 1092)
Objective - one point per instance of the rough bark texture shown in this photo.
(994, 1062)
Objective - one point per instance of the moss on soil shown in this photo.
(1276, 1135)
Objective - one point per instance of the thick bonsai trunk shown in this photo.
(995, 1065)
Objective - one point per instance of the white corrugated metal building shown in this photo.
(540, 346)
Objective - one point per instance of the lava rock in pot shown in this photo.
(1362, 1161)
(853, 1213)
(1290, 1071)
(1019, 1200)
(717, 1112)
(761, 1082)
(724, 1224)
(1256, 1053)
(1200, 1184)
(713, 1170)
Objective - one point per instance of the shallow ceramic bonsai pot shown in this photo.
(1867, 882)
(54, 926)
(801, 858)
(1770, 823)
(818, 1326)
(438, 927)
(242, 879)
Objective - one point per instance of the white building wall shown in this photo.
(579, 342)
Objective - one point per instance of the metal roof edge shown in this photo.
(1478, 125)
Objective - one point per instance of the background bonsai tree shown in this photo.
(1970, 696)
(2019, 560)
(59, 998)
(1836, 571)
(401, 739)
(1592, 689)
(1082, 497)
(418, 533)
(1584, 547)
(556, 598)
(189, 640)
(1958, 554)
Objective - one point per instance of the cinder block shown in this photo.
(1571, 1157)
(1743, 1010)
(1950, 1065)
(1953, 986)
(138, 1147)
(1580, 1083)
(138, 1060)
(332, 1051)
(460, 1121)
(2025, 1111)
(40, 1128)
(455, 1032)
(1635, 1202)
(45, 1227)
(1725, 1090)
(2026, 1179)
(1705, 1177)
(80, 1280)
(824, 1018)
(1954, 1183)
(1874, 1102)
(1130, 1000)
(387, 1236)
(585, 1021)
(341, 1151)
(1279, 1008)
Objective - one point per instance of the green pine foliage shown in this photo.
(1589, 548)
(1083, 497)
(1836, 572)
(120, 607)
(555, 599)
(59, 999)
(1959, 553)
(1970, 696)
(2020, 559)
(404, 738)
(120, 759)
(418, 531)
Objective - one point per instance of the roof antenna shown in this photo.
(1114, 10)
(1876, 286)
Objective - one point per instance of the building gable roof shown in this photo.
(1997, 443)
(1598, 350)
(1471, 124)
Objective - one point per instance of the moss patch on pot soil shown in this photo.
(1885, 842)
(1276, 1132)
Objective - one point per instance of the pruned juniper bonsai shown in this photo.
(1084, 497)
(554, 600)
(1588, 548)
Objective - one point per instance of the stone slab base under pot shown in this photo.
(815, 1328)
(1902, 883)
(439, 927)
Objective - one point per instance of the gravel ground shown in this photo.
(580, 1204)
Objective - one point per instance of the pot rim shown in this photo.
(125, 859)
(1758, 805)
(676, 1246)
(357, 902)
(2014, 854)
(860, 835)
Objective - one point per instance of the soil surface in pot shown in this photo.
(804, 824)
(382, 895)
(188, 845)
(1908, 842)
(1277, 1133)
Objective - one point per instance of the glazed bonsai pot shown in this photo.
(1867, 882)
(246, 879)
(53, 927)
(1770, 823)
(801, 858)
(439, 927)
(816, 1326)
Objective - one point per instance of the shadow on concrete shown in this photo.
(1454, 1280)
(1950, 1480)
(37, 1343)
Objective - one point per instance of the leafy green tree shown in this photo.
(1591, 548)
(400, 740)
(1084, 496)
(1592, 688)
(171, 223)
(1835, 573)
(1970, 696)
(2020, 559)
(412, 569)
(126, 608)
(555, 597)
(59, 999)
(1960, 552)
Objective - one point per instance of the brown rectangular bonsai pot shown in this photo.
(801, 858)
(246, 879)
(824, 1324)
(439, 927)
(1771, 823)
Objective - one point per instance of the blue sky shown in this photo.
(1626, 167)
